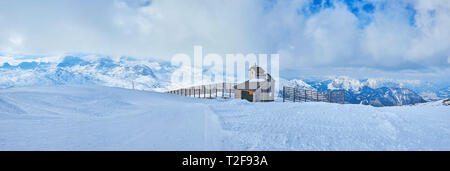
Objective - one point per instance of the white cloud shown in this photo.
(332, 37)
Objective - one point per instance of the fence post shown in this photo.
(210, 92)
(306, 96)
(317, 99)
(331, 97)
(283, 92)
(294, 95)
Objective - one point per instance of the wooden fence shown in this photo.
(303, 95)
(223, 90)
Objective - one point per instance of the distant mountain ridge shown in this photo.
(78, 70)
(357, 92)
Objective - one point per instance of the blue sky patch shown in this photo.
(411, 12)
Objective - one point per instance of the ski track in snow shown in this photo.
(104, 118)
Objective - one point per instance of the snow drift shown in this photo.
(104, 118)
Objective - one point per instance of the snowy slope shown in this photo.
(102, 118)
(321, 126)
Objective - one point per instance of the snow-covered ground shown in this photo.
(104, 118)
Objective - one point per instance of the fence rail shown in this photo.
(223, 90)
(304, 95)
(226, 90)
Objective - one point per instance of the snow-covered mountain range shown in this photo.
(95, 70)
(368, 91)
(155, 76)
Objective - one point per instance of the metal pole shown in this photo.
(331, 95)
(283, 92)
(317, 99)
(306, 95)
(294, 94)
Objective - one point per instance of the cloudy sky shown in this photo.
(363, 38)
